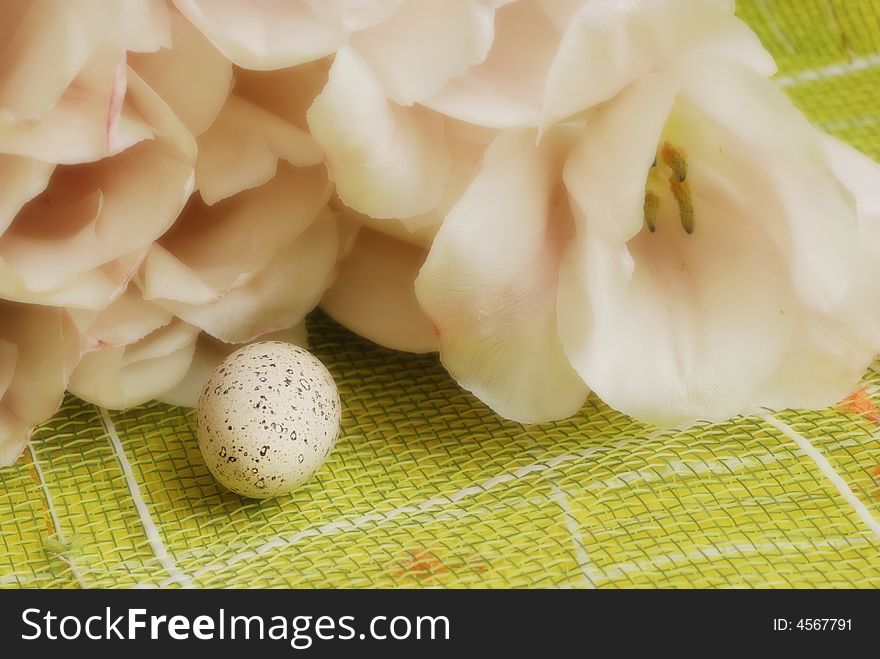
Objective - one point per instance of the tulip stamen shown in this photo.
(681, 190)
(651, 203)
(676, 159)
(669, 175)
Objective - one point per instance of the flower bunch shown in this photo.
(558, 195)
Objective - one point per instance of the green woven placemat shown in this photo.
(429, 488)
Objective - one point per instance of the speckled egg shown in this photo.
(267, 419)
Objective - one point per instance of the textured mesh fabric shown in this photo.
(428, 487)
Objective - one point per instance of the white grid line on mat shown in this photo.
(22, 580)
(712, 551)
(825, 466)
(56, 524)
(580, 550)
(344, 525)
(831, 71)
(773, 24)
(153, 537)
(849, 124)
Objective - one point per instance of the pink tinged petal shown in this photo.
(374, 295)
(79, 242)
(165, 124)
(114, 111)
(489, 284)
(278, 296)
(125, 376)
(386, 161)
(265, 34)
(213, 249)
(507, 89)
(21, 179)
(467, 144)
(145, 26)
(242, 148)
(45, 44)
(88, 123)
(425, 44)
(209, 353)
(192, 76)
(128, 319)
(609, 45)
(38, 350)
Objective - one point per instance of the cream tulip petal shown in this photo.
(90, 290)
(560, 11)
(21, 179)
(824, 360)
(8, 359)
(286, 93)
(278, 296)
(225, 245)
(418, 231)
(45, 43)
(467, 144)
(859, 174)
(192, 76)
(242, 148)
(266, 34)
(768, 120)
(617, 148)
(609, 45)
(507, 89)
(78, 242)
(489, 284)
(424, 45)
(145, 26)
(163, 275)
(209, 353)
(356, 14)
(386, 161)
(32, 248)
(831, 352)
(374, 294)
(792, 191)
(128, 319)
(88, 123)
(164, 123)
(126, 376)
(674, 328)
(45, 348)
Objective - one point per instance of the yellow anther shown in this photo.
(681, 190)
(676, 159)
(651, 203)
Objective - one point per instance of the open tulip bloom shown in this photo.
(561, 196)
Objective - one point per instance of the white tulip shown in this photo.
(735, 273)
(684, 244)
